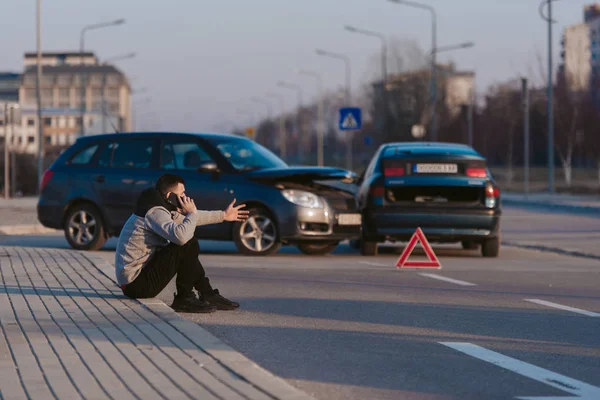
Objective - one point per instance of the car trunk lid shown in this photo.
(435, 180)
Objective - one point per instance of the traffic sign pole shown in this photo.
(350, 120)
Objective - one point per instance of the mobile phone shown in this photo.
(174, 200)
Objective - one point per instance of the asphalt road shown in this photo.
(350, 327)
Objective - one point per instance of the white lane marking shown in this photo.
(582, 390)
(443, 278)
(561, 307)
(376, 264)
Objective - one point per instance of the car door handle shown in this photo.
(100, 178)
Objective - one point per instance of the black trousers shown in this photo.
(164, 265)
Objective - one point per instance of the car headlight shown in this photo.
(303, 198)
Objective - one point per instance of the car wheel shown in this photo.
(368, 248)
(258, 235)
(469, 245)
(490, 247)
(84, 228)
(317, 249)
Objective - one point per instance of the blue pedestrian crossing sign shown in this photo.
(350, 119)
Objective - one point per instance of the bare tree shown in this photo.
(500, 120)
(403, 55)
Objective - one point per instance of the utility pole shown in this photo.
(525, 94)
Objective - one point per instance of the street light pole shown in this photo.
(431, 10)
(280, 98)
(384, 57)
(38, 90)
(298, 89)
(119, 57)
(383, 39)
(346, 61)
(320, 114)
(81, 63)
(525, 98)
(550, 89)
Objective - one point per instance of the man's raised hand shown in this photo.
(187, 204)
(235, 213)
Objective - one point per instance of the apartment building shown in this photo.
(71, 82)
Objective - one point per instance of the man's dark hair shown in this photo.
(168, 182)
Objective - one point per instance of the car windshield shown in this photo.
(246, 155)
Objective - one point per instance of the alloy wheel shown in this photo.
(258, 233)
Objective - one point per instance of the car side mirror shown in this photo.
(208, 166)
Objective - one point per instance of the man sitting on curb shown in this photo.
(157, 242)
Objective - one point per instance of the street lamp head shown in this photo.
(119, 21)
(320, 52)
(350, 28)
(466, 45)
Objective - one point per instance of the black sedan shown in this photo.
(445, 189)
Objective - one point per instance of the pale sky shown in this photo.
(201, 60)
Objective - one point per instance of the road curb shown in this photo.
(550, 249)
(25, 229)
(217, 349)
(551, 206)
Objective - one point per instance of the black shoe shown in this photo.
(191, 304)
(220, 302)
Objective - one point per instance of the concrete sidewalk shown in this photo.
(559, 202)
(67, 332)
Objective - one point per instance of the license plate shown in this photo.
(349, 219)
(435, 168)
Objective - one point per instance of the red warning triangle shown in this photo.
(433, 262)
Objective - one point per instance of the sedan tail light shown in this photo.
(491, 196)
(376, 191)
(476, 172)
